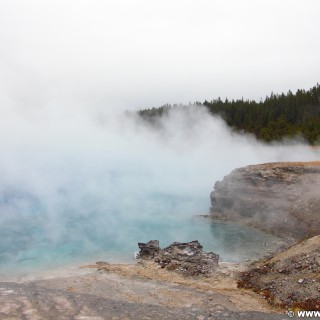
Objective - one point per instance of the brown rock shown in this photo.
(187, 258)
(148, 250)
(281, 198)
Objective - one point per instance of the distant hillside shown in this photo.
(277, 117)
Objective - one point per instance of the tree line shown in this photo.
(274, 118)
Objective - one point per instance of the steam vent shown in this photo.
(281, 198)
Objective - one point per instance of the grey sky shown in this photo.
(129, 54)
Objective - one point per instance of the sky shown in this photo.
(124, 54)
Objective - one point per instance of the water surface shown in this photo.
(33, 237)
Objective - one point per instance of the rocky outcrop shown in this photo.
(290, 279)
(148, 250)
(186, 258)
(281, 198)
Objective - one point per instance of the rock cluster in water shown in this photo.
(186, 258)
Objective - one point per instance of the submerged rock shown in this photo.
(187, 258)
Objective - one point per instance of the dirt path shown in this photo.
(131, 292)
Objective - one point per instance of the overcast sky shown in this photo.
(128, 54)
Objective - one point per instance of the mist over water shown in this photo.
(81, 184)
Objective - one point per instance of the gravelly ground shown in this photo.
(103, 295)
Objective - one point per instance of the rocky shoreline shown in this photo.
(178, 282)
(279, 198)
(283, 199)
(289, 279)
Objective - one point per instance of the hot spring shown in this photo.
(32, 239)
(80, 186)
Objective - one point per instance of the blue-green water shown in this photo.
(33, 236)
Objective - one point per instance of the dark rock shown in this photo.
(187, 258)
(102, 263)
(148, 250)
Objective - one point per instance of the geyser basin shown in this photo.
(81, 185)
(32, 239)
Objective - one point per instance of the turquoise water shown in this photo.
(33, 236)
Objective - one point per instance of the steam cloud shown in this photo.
(84, 181)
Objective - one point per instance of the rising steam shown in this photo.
(77, 182)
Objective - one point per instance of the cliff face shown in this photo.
(281, 198)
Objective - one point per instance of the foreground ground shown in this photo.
(140, 291)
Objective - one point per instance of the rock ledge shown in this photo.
(281, 198)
